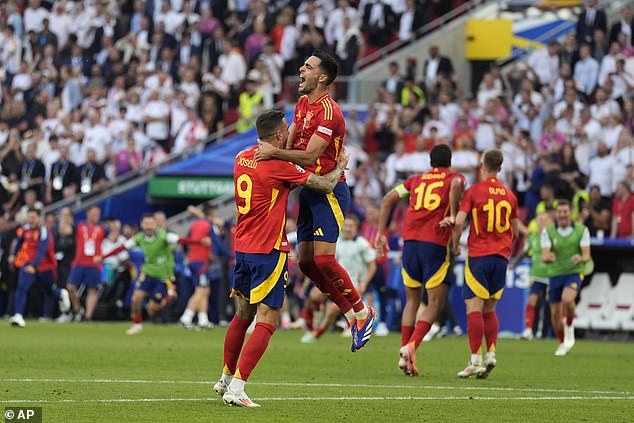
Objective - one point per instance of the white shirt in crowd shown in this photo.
(33, 19)
(234, 68)
(416, 162)
(610, 134)
(544, 65)
(449, 113)
(107, 246)
(461, 160)
(605, 110)
(442, 129)
(601, 173)
(355, 255)
(97, 138)
(158, 130)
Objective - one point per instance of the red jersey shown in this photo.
(88, 239)
(36, 247)
(324, 119)
(428, 205)
(492, 208)
(623, 212)
(200, 229)
(261, 191)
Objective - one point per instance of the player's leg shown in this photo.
(555, 293)
(568, 297)
(193, 302)
(314, 302)
(491, 329)
(48, 279)
(413, 297)
(529, 314)
(202, 294)
(142, 290)
(74, 282)
(25, 281)
(332, 312)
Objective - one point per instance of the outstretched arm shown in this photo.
(327, 183)
(315, 148)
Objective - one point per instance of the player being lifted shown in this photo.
(566, 249)
(261, 193)
(157, 274)
(315, 142)
(434, 198)
(494, 223)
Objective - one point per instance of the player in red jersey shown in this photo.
(35, 257)
(84, 271)
(315, 141)
(494, 223)
(434, 198)
(261, 192)
(205, 246)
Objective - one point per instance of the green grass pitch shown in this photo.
(94, 372)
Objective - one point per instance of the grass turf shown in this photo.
(94, 372)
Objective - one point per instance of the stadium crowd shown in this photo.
(93, 90)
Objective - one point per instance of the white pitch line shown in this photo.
(356, 398)
(320, 385)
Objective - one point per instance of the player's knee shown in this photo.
(307, 266)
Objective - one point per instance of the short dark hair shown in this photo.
(328, 64)
(440, 156)
(564, 202)
(36, 211)
(93, 206)
(268, 122)
(493, 159)
(147, 215)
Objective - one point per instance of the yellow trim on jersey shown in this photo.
(337, 146)
(401, 191)
(259, 293)
(409, 281)
(318, 168)
(498, 294)
(475, 286)
(438, 277)
(336, 209)
(474, 221)
(274, 194)
(278, 243)
(327, 109)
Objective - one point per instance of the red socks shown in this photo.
(307, 315)
(337, 279)
(422, 327)
(406, 334)
(475, 331)
(569, 319)
(233, 342)
(560, 335)
(137, 318)
(319, 332)
(529, 316)
(313, 271)
(254, 349)
(491, 328)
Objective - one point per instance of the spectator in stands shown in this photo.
(378, 22)
(156, 114)
(62, 178)
(32, 172)
(544, 64)
(586, 71)
(232, 63)
(349, 47)
(590, 18)
(600, 45)
(622, 212)
(30, 202)
(251, 103)
(92, 175)
(596, 213)
(435, 67)
(488, 90)
(128, 159)
(625, 25)
(601, 169)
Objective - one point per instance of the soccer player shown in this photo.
(156, 276)
(315, 142)
(538, 273)
(198, 259)
(84, 271)
(357, 256)
(35, 257)
(566, 249)
(261, 193)
(494, 223)
(434, 198)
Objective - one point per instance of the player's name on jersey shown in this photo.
(247, 163)
(434, 175)
(497, 191)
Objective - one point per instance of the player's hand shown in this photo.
(97, 259)
(379, 244)
(342, 160)
(206, 241)
(456, 250)
(29, 269)
(265, 151)
(11, 260)
(577, 259)
(447, 222)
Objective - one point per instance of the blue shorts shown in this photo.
(89, 276)
(26, 280)
(558, 283)
(155, 288)
(485, 277)
(261, 278)
(424, 263)
(321, 215)
(199, 274)
(538, 287)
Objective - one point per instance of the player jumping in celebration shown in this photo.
(156, 276)
(199, 257)
(315, 142)
(434, 198)
(566, 249)
(35, 257)
(261, 193)
(84, 271)
(494, 223)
